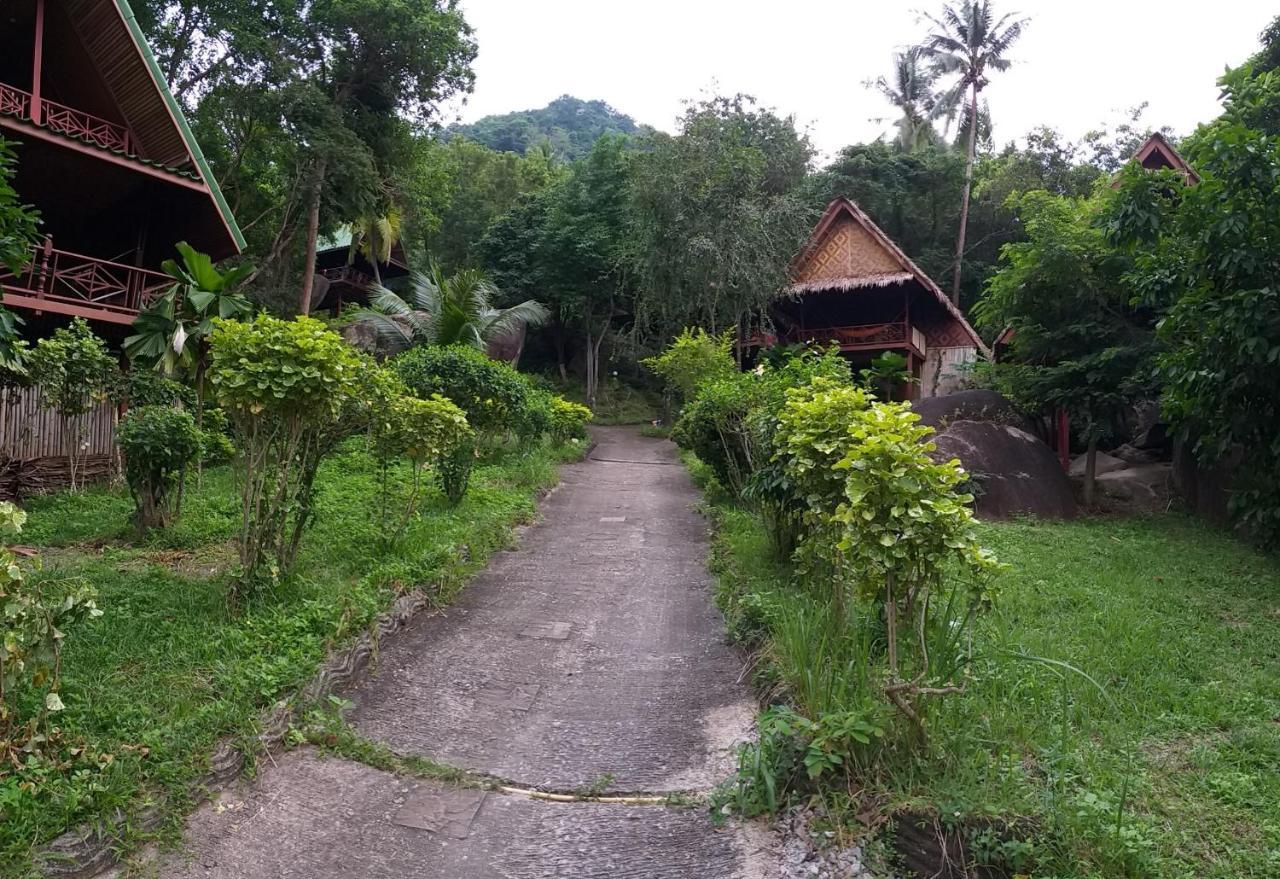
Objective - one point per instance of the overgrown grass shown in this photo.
(168, 670)
(1122, 713)
(616, 402)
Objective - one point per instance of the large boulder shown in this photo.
(1011, 470)
(1103, 463)
(975, 405)
(1144, 488)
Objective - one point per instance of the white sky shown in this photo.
(1078, 64)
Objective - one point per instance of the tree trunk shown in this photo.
(970, 154)
(313, 231)
(1091, 469)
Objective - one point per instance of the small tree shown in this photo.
(492, 394)
(884, 523)
(158, 443)
(34, 620)
(284, 386)
(76, 372)
(694, 358)
(425, 433)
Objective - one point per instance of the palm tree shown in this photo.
(374, 236)
(439, 310)
(171, 335)
(968, 41)
(911, 91)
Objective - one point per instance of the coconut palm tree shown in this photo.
(968, 41)
(911, 90)
(439, 310)
(374, 236)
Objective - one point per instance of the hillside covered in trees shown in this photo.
(569, 125)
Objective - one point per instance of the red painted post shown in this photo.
(37, 109)
(1064, 438)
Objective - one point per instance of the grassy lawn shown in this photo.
(167, 670)
(1124, 701)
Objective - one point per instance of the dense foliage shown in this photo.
(693, 358)
(19, 222)
(426, 434)
(158, 444)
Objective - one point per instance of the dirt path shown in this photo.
(591, 657)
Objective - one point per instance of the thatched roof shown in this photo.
(848, 251)
(1156, 153)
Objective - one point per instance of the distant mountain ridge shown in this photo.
(569, 125)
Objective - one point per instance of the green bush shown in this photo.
(730, 423)
(693, 359)
(568, 420)
(454, 471)
(35, 619)
(291, 390)
(158, 443)
(887, 524)
(216, 446)
(533, 420)
(145, 387)
(492, 394)
(423, 432)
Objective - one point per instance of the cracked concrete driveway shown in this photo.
(591, 656)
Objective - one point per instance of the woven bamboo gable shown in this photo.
(848, 252)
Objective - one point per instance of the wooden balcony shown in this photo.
(861, 337)
(68, 283)
(68, 121)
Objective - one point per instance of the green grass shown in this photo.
(167, 671)
(616, 402)
(1123, 710)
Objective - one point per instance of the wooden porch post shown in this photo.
(37, 109)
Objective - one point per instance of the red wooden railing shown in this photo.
(65, 120)
(852, 338)
(72, 283)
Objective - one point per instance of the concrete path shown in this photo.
(589, 657)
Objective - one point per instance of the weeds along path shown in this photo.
(590, 660)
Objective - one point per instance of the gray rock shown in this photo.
(1104, 464)
(1011, 470)
(1143, 488)
(975, 405)
(1134, 455)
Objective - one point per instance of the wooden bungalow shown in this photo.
(345, 275)
(855, 288)
(1157, 154)
(107, 158)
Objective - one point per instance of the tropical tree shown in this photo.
(172, 335)
(18, 221)
(446, 310)
(911, 91)
(374, 235)
(968, 42)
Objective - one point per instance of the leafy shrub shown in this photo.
(887, 523)
(693, 359)
(492, 394)
(730, 426)
(290, 389)
(793, 751)
(533, 420)
(423, 432)
(158, 443)
(76, 372)
(145, 387)
(34, 620)
(568, 420)
(454, 471)
(216, 446)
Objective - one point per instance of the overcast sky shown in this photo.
(1080, 62)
